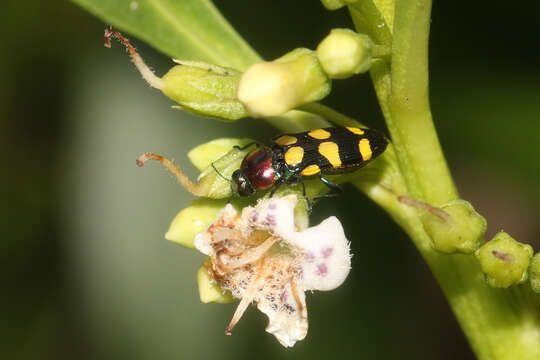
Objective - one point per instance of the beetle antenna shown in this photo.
(145, 71)
(180, 176)
(220, 174)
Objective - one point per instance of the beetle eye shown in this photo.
(243, 186)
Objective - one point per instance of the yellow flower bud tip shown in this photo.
(333, 4)
(336, 4)
(504, 260)
(267, 89)
(145, 71)
(534, 273)
(273, 88)
(344, 53)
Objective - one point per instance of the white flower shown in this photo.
(261, 256)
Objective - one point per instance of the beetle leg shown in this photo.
(275, 188)
(220, 174)
(337, 190)
(257, 144)
(309, 203)
(295, 180)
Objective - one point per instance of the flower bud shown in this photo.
(461, 231)
(344, 53)
(201, 88)
(504, 260)
(204, 89)
(273, 88)
(209, 291)
(534, 273)
(205, 154)
(336, 4)
(215, 180)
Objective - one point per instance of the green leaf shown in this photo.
(186, 29)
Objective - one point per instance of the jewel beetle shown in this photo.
(294, 157)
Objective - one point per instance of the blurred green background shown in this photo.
(86, 271)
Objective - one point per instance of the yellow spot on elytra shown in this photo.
(320, 134)
(356, 131)
(294, 155)
(286, 140)
(330, 151)
(365, 149)
(310, 170)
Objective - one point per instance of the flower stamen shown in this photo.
(145, 71)
(182, 178)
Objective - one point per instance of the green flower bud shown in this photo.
(336, 4)
(203, 155)
(344, 53)
(273, 88)
(534, 273)
(217, 184)
(461, 231)
(209, 291)
(504, 260)
(193, 220)
(201, 88)
(204, 89)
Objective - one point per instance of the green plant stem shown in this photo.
(500, 324)
(330, 114)
(419, 153)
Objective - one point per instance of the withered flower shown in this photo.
(261, 256)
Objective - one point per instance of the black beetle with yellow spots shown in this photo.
(293, 157)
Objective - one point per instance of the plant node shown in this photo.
(504, 260)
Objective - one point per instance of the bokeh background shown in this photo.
(86, 272)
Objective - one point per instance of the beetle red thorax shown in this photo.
(257, 166)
